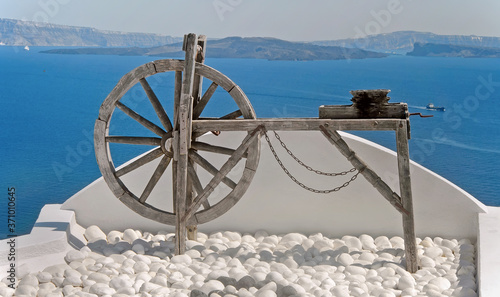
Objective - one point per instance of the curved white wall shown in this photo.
(274, 203)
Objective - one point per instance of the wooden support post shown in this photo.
(185, 118)
(370, 175)
(192, 230)
(406, 196)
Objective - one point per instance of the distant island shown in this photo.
(25, 33)
(401, 42)
(91, 41)
(239, 47)
(447, 50)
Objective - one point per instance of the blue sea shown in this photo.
(50, 103)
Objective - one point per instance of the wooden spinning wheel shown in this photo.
(180, 144)
(167, 136)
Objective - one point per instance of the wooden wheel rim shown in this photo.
(108, 170)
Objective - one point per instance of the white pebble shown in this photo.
(114, 237)
(427, 262)
(212, 285)
(101, 289)
(406, 282)
(130, 236)
(181, 259)
(29, 280)
(141, 267)
(367, 242)
(25, 290)
(94, 233)
(345, 259)
(433, 252)
(352, 242)
(121, 281)
(74, 255)
(441, 282)
(297, 237)
(43, 277)
(382, 242)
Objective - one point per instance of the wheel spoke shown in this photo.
(204, 100)
(134, 140)
(233, 115)
(224, 170)
(162, 115)
(139, 162)
(146, 123)
(155, 178)
(202, 146)
(197, 184)
(210, 168)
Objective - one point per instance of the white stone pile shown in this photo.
(131, 263)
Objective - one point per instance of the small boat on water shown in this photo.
(431, 106)
(26, 48)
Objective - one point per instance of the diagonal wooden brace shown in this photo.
(224, 170)
(370, 175)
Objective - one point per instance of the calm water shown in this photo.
(50, 103)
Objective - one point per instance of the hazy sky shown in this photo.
(285, 19)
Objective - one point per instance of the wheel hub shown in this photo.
(167, 144)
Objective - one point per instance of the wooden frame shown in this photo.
(189, 194)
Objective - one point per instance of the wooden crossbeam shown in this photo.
(293, 124)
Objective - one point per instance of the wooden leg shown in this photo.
(406, 196)
(185, 117)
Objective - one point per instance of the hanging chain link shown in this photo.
(307, 167)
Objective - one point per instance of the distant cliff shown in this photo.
(446, 50)
(238, 47)
(21, 33)
(402, 42)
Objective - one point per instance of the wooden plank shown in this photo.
(160, 169)
(210, 168)
(406, 195)
(152, 155)
(292, 124)
(389, 111)
(143, 121)
(361, 166)
(192, 230)
(177, 97)
(199, 58)
(160, 111)
(198, 109)
(224, 170)
(134, 140)
(184, 117)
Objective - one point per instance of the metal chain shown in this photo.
(307, 166)
(301, 163)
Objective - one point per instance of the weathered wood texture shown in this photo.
(192, 233)
(113, 176)
(185, 114)
(292, 124)
(388, 111)
(225, 169)
(370, 175)
(406, 196)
